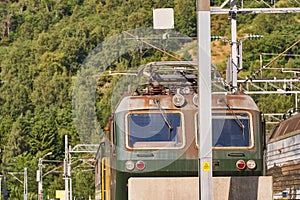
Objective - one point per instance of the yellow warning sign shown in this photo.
(206, 167)
(60, 194)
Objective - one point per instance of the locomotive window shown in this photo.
(154, 130)
(230, 130)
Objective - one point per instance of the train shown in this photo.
(283, 157)
(153, 132)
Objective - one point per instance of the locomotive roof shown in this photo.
(286, 128)
(167, 78)
(219, 101)
(233, 101)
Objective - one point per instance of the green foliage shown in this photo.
(185, 17)
(82, 179)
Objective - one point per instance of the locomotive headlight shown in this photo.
(240, 164)
(140, 165)
(195, 99)
(129, 165)
(251, 164)
(178, 100)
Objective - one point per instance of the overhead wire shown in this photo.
(272, 61)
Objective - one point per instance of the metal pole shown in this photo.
(25, 184)
(233, 16)
(39, 179)
(5, 192)
(0, 187)
(240, 54)
(70, 188)
(39, 176)
(69, 170)
(204, 88)
(296, 102)
(66, 161)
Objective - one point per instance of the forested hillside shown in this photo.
(43, 45)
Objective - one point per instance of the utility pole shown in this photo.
(69, 171)
(39, 176)
(67, 176)
(234, 54)
(13, 174)
(204, 101)
(79, 148)
(66, 168)
(5, 192)
(25, 184)
(39, 179)
(1, 176)
(233, 11)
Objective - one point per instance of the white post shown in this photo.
(69, 170)
(204, 104)
(240, 54)
(66, 161)
(0, 187)
(25, 184)
(39, 176)
(70, 188)
(296, 101)
(39, 179)
(233, 14)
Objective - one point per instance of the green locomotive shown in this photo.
(153, 132)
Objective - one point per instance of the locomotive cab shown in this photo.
(154, 131)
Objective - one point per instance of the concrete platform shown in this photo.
(186, 188)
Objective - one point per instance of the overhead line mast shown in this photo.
(233, 11)
(204, 83)
(204, 99)
(234, 57)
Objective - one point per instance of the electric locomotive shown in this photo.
(153, 132)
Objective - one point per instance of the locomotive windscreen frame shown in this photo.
(230, 129)
(164, 130)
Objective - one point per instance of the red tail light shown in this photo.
(140, 165)
(240, 164)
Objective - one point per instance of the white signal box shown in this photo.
(163, 18)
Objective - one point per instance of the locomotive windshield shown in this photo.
(230, 130)
(154, 130)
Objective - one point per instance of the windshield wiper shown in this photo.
(237, 120)
(163, 114)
